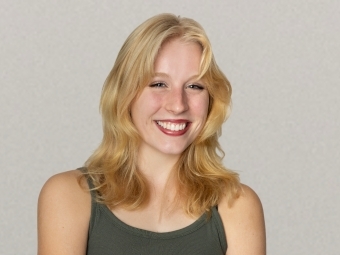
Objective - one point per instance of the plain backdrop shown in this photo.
(282, 58)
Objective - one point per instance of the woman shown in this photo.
(156, 184)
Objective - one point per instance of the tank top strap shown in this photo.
(216, 219)
(94, 203)
(89, 181)
(90, 184)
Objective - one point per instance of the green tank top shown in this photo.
(109, 236)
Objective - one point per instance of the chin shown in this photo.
(174, 150)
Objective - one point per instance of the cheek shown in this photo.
(201, 106)
(155, 100)
(144, 106)
(151, 103)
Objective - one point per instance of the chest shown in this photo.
(154, 219)
(108, 235)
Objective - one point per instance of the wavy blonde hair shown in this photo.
(202, 178)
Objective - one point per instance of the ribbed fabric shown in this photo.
(110, 236)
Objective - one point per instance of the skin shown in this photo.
(64, 209)
(175, 97)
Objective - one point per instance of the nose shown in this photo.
(176, 101)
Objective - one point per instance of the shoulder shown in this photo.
(64, 208)
(65, 187)
(243, 222)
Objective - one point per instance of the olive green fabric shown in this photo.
(109, 236)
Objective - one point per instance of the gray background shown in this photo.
(282, 58)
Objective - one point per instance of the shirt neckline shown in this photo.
(202, 220)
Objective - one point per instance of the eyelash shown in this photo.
(157, 84)
(196, 86)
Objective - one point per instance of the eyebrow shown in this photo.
(161, 75)
(193, 77)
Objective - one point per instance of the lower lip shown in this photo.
(173, 133)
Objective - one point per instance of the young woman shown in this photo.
(156, 184)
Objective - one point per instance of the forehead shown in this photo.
(178, 56)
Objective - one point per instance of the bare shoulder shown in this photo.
(248, 199)
(64, 208)
(244, 224)
(65, 188)
(66, 180)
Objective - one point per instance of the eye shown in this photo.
(195, 86)
(157, 85)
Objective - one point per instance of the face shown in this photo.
(172, 109)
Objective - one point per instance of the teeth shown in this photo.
(172, 126)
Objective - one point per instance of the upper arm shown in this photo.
(64, 209)
(244, 224)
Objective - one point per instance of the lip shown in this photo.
(174, 133)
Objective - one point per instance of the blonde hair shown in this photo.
(202, 178)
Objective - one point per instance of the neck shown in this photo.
(157, 167)
(162, 182)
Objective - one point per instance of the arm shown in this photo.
(244, 224)
(64, 209)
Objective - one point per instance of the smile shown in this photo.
(172, 126)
